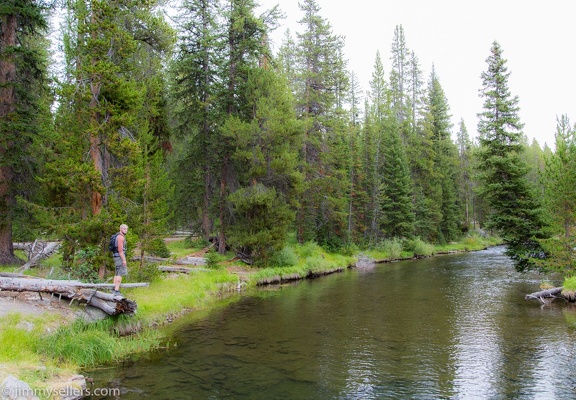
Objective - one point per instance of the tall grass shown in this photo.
(93, 343)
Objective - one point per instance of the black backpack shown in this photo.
(112, 246)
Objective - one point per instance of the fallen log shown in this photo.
(45, 250)
(545, 295)
(107, 302)
(183, 270)
(189, 260)
(83, 292)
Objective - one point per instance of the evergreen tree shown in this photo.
(398, 216)
(464, 176)
(399, 74)
(323, 84)
(246, 48)
(442, 191)
(515, 211)
(21, 70)
(266, 156)
(197, 91)
(110, 102)
(374, 131)
(559, 180)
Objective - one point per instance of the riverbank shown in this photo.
(46, 348)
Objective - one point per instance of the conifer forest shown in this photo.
(112, 112)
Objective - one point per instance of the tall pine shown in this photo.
(22, 22)
(515, 211)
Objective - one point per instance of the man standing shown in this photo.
(119, 257)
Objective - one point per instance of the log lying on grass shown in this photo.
(83, 292)
(182, 270)
(545, 296)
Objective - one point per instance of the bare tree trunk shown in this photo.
(8, 27)
(206, 225)
(223, 184)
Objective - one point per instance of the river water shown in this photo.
(449, 327)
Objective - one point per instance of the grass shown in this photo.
(181, 248)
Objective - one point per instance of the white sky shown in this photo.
(537, 37)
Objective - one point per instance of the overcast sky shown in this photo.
(537, 38)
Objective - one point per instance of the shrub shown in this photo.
(86, 263)
(148, 272)
(419, 247)
(157, 247)
(286, 257)
(212, 259)
(392, 247)
(309, 249)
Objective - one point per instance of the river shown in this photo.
(448, 327)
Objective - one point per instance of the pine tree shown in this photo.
(21, 68)
(464, 177)
(197, 91)
(515, 211)
(374, 131)
(323, 85)
(266, 160)
(559, 180)
(110, 101)
(399, 75)
(442, 191)
(397, 207)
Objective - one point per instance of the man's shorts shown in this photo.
(121, 270)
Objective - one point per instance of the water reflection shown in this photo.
(452, 327)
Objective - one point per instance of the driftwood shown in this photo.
(83, 292)
(38, 251)
(545, 296)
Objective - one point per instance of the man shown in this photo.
(120, 259)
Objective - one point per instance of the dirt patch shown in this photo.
(30, 303)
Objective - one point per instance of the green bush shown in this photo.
(309, 249)
(157, 247)
(148, 272)
(86, 263)
(286, 257)
(419, 247)
(212, 259)
(392, 247)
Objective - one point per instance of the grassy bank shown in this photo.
(41, 352)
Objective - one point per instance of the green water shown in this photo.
(450, 327)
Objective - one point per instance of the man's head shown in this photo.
(124, 229)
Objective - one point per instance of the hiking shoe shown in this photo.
(116, 293)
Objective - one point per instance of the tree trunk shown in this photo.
(544, 293)
(223, 188)
(8, 27)
(206, 225)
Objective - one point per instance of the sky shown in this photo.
(537, 38)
